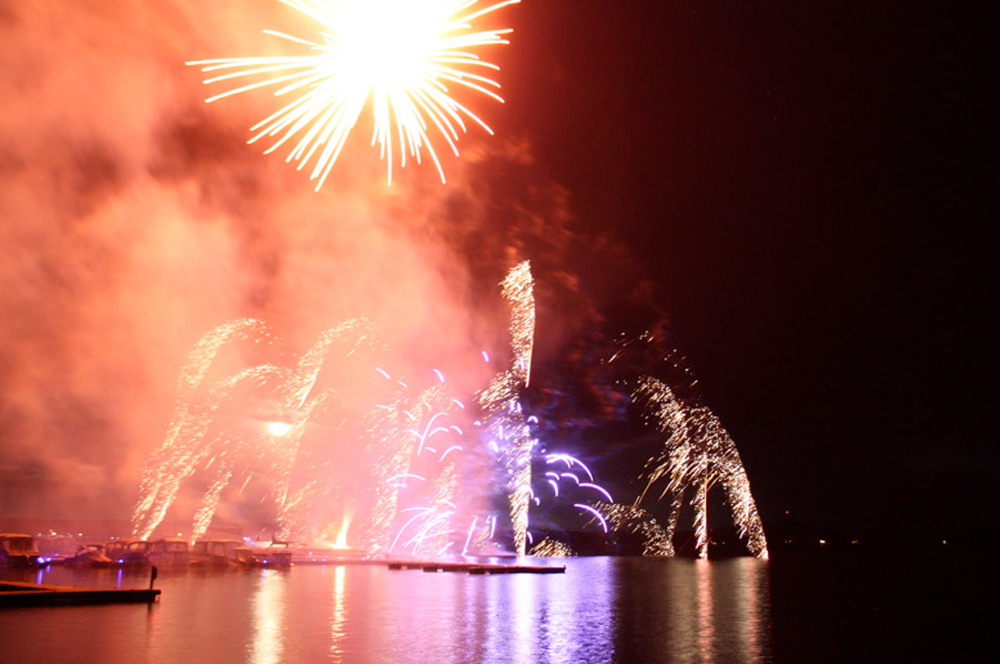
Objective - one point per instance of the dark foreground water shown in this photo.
(806, 607)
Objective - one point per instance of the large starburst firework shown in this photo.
(403, 58)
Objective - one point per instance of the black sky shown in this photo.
(811, 185)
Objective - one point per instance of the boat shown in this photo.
(18, 550)
(128, 552)
(277, 554)
(90, 555)
(215, 553)
(55, 549)
(169, 552)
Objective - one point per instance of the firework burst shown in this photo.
(402, 58)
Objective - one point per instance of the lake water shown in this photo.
(805, 607)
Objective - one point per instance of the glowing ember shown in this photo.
(398, 56)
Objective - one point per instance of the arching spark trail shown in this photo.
(698, 455)
(597, 515)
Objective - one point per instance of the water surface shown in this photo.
(801, 609)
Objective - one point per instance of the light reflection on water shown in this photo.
(269, 611)
(687, 611)
(338, 616)
(602, 610)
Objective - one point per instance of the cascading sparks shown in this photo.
(519, 291)
(193, 443)
(403, 58)
(249, 425)
(183, 448)
(634, 519)
(698, 454)
(507, 424)
(411, 475)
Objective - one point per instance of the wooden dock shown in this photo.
(18, 594)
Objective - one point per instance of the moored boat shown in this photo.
(55, 549)
(18, 550)
(90, 555)
(128, 552)
(215, 553)
(169, 551)
(277, 554)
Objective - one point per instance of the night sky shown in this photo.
(804, 190)
(812, 186)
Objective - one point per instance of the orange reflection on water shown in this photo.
(338, 615)
(753, 594)
(600, 611)
(706, 617)
(705, 611)
(267, 644)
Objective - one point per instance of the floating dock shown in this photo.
(476, 568)
(18, 594)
